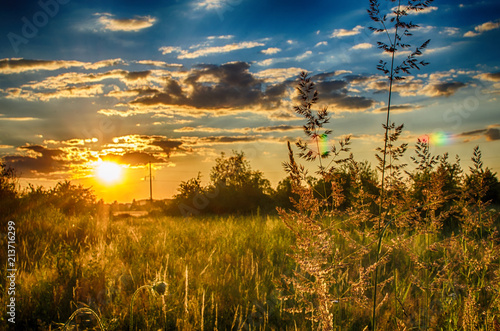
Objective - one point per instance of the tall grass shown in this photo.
(220, 272)
(428, 258)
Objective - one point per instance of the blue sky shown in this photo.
(178, 82)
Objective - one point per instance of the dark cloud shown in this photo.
(398, 108)
(357, 78)
(492, 134)
(229, 85)
(134, 75)
(494, 76)
(227, 140)
(21, 65)
(45, 161)
(323, 76)
(444, 89)
(472, 133)
(134, 158)
(168, 146)
(233, 86)
(282, 127)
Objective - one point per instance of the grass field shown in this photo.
(221, 272)
(227, 273)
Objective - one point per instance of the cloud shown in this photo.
(218, 49)
(278, 128)
(303, 56)
(334, 93)
(17, 119)
(40, 160)
(161, 64)
(77, 85)
(210, 4)
(133, 158)
(491, 133)
(86, 91)
(321, 43)
(271, 50)
(491, 25)
(362, 46)
(105, 63)
(226, 140)
(491, 76)
(437, 50)
(278, 74)
(425, 10)
(168, 146)
(339, 33)
(415, 12)
(450, 31)
(442, 89)
(170, 49)
(228, 86)
(228, 36)
(15, 65)
(125, 24)
(403, 108)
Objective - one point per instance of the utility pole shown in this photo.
(150, 183)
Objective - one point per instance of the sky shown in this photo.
(176, 83)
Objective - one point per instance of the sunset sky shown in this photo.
(178, 82)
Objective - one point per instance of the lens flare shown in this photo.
(436, 139)
(320, 142)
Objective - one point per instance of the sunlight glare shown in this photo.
(108, 172)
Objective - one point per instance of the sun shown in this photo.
(108, 172)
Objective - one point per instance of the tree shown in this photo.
(8, 190)
(239, 188)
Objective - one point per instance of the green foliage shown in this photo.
(234, 188)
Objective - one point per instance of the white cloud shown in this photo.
(276, 75)
(218, 49)
(338, 33)
(450, 31)
(229, 36)
(265, 63)
(105, 63)
(362, 46)
(483, 28)
(271, 50)
(125, 24)
(321, 43)
(303, 56)
(210, 4)
(158, 63)
(437, 50)
(169, 49)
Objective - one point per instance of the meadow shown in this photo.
(347, 248)
(220, 272)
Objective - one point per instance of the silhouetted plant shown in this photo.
(396, 41)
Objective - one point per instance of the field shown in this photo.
(220, 272)
(229, 273)
(395, 247)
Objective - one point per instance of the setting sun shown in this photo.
(108, 172)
